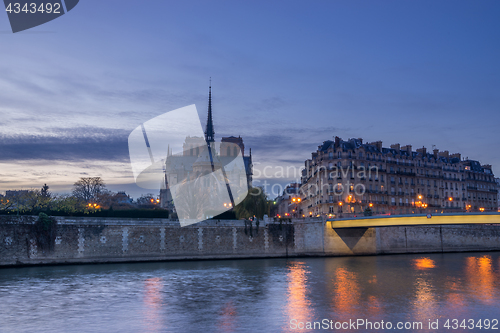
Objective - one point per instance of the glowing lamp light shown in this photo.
(294, 199)
(340, 203)
(370, 204)
(450, 198)
(481, 209)
(419, 197)
(298, 199)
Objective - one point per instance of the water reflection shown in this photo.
(481, 278)
(248, 295)
(454, 299)
(424, 306)
(298, 305)
(423, 263)
(153, 304)
(227, 318)
(347, 293)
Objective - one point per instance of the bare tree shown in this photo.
(44, 192)
(88, 188)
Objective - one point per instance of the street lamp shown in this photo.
(296, 202)
(420, 204)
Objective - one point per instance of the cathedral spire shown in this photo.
(209, 131)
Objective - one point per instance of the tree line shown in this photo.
(89, 196)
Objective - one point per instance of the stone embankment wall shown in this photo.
(24, 241)
(88, 240)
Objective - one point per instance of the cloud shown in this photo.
(68, 144)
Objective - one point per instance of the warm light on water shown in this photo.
(298, 305)
(249, 295)
(424, 263)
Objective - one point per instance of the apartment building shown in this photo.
(348, 177)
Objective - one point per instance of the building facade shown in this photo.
(288, 203)
(349, 177)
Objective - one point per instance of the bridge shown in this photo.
(415, 220)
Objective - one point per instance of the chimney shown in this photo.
(422, 151)
(377, 144)
(436, 152)
(396, 146)
(337, 142)
(444, 153)
(407, 148)
(456, 155)
(360, 140)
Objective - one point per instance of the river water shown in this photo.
(266, 295)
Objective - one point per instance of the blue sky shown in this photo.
(286, 76)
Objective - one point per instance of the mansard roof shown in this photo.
(352, 144)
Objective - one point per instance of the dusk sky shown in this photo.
(286, 76)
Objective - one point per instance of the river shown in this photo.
(261, 295)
